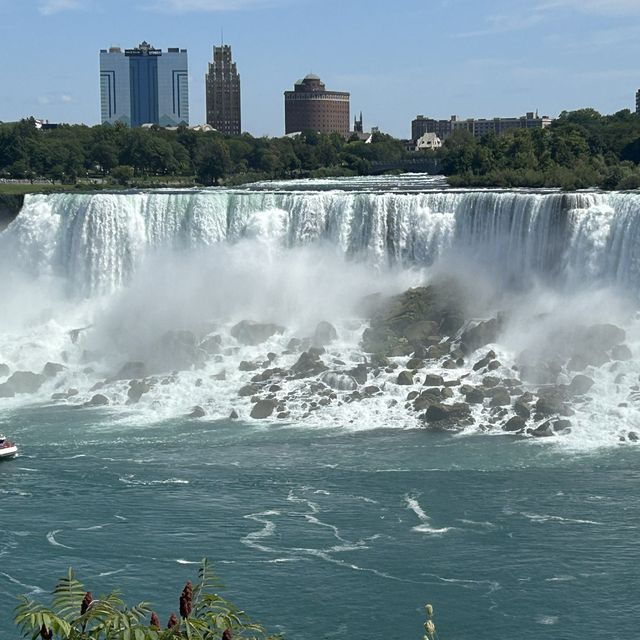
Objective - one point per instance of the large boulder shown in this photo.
(253, 333)
(550, 402)
(500, 397)
(580, 385)
(52, 369)
(25, 382)
(514, 424)
(65, 395)
(359, 373)
(415, 364)
(324, 334)
(340, 381)
(6, 391)
(590, 346)
(437, 351)
(308, 365)
(413, 317)
(197, 412)
(263, 409)
(621, 352)
(426, 399)
(422, 331)
(405, 378)
(245, 365)
(249, 390)
(603, 337)
(137, 388)
(545, 430)
(433, 380)
(274, 373)
(97, 401)
(522, 410)
(447, 414)
(480, 334)
(474, 396)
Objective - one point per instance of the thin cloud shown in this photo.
(192, 6)
(544, 11)
(506, 23)
(603, 7)
(49, 7)
(54, 98)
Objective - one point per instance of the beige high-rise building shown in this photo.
(223, 93)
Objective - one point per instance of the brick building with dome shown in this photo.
(311, 106)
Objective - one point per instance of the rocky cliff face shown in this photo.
(10, 206)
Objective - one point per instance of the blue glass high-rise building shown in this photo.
(144, 86)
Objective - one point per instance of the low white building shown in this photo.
(428, 141)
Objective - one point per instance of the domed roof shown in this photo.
(312, 76)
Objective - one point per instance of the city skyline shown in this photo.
(436, 58)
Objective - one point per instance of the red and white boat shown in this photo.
(8, 449)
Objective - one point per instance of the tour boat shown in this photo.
(8, 449)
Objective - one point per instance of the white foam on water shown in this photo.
(51, 539)
(250, 540)
(110, 573)
(33, 589)
(425, 526)
(130, 480)
(535, 517)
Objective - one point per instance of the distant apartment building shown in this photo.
(422, 125)
(311, 106)
(222, 85)
(477, 127)
(638, 102)
(144, 85)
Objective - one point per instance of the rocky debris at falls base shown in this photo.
(422, 359)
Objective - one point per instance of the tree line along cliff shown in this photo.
(581, 149)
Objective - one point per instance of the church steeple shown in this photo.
(358, 124)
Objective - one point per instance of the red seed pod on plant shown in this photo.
(155, 621)
(46, 634)
(173, 621)
(186, 598)
(86, 603)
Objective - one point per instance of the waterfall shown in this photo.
(97, 241)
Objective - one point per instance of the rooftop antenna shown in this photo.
(222, 36)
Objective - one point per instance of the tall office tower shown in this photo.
(144, 86)
(311, 106)
(222, 85)
(638, 102)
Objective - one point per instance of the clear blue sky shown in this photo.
(398, 58)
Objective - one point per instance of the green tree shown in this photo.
(212, 160)
(122, 174)
(104, 154)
